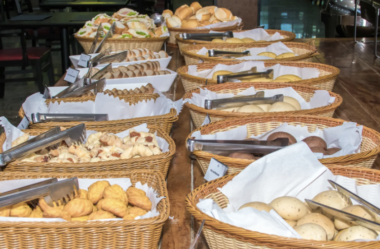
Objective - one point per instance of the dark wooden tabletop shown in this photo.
(358, 84)
(58, 19)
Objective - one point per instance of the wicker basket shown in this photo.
(165, 121)
(120, 44)
(288, 36)
(177, 31)
(325, 81)
(144, 233)
(198, 114)
(369, 148)
(305, 51)
(158, 163)
(225, 236)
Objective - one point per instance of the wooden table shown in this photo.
(358, 84)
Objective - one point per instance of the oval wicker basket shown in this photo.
(222, 235)
(369, 148)
(165, 121)
(159, 162)
(305, 51)
(325, 81)
(176, 31)
(288, 36)
(198, 114)
(120, 44)
(143, 233)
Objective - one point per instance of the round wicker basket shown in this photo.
(198, 114)
(222, 235)
(325, 81)
(369, 148)
(120, 44)
(177, 31)
(305, 52)
(288, 36)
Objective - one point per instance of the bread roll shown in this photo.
(190, 24)
(247, 40)
(119, 27)
(234, 40)
(173, 22)
(203, 15)
(265, 107)
(185, 13)
(293, 102)
(281, 107)
(204, 23)
(180, 8)
(168, 12)
(223, 14)
(210, 9)
(250, 108)
(195, 6)
(218, 41)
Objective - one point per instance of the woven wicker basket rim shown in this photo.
(183, 71)
(186, 50)
(153, 39)
(297, 87)
(160, 133)
(244, 234)
(308, 119)
(290, 37)
(195, 30)
(105, 174)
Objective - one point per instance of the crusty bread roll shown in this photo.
(119, 27)
(195, 6)
(210, 9)
(190, 24)
(185, 13)
(223, 14)
(203, 16)
(234, 40)
(204, 23)
(167, 11)
(180, 8)
(173, 22)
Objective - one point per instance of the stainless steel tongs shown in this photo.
(110, 33)
(97, 86)
(52, 190)
(207, 36)
(248, 146)
(347, 216)
(62, 117)
(245, 74)
(233, 54)
(74, 134)
(95, 41)
(239, 101)
(118, 57)
(102, 72)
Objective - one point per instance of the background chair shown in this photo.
(39, 58)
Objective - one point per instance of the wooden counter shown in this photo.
(358, 84)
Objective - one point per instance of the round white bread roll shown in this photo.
(250, 108)
(321, 220)
(357, 210)
(234, 40)
(265, 107)
(311, 231)
(261, 206)
(289, 208)
(247, 40)
(332, 199)
(217, 41)
(281, 107)
(355, 233)
(291, 223)
(293, 102)
(232, 109)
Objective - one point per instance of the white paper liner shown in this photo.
(277, 48)
(258, 34)
(278, 70)
(319, 99)
(125, 183)
(347, 136)
(13, 133)
(104, 104)
(264, 181)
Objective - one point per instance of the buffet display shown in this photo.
(90, 160)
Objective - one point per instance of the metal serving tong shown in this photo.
(233, 54)
(95, 59)
(75, 117)
(72, 87)
(239, 101)
(207, 36)
(245, 74)
(52, 190)
(102, 72)
(229, 146)
(74, 134)
(347, 216)
(95, 41)
(119, 57)
(110, 33)
(47, 94)
(97, 86)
